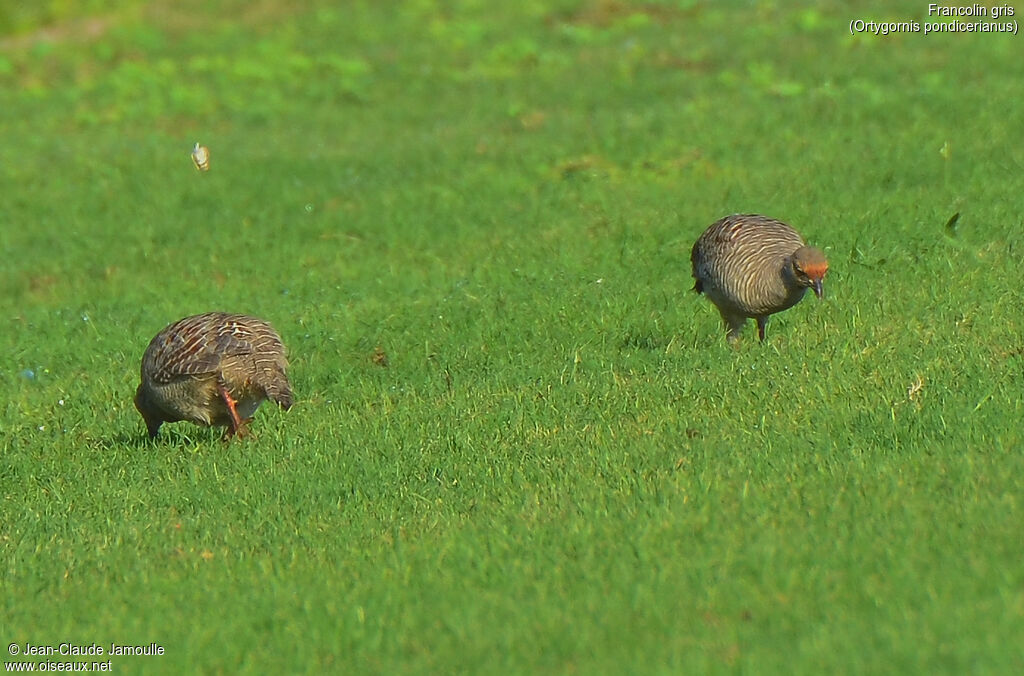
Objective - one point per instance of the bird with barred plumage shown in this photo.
(212, 369)
(752, 266)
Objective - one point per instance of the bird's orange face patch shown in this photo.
(816, 271)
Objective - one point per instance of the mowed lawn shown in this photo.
(521, 444)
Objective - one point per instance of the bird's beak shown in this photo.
(818, 291)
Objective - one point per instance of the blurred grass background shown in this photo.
(563, 467)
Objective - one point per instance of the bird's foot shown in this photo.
(239, 431)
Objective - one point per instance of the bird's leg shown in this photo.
(762, 322)
(237, 426)
(734, 323)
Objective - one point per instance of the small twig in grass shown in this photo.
(914, 388)
(912, 391)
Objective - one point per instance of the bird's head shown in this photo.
(148, 410)
(810, 268)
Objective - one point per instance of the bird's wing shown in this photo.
(234, 338)
(198, 347)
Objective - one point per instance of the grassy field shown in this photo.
(562, 467)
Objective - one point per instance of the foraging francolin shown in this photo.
(751, 266)
(212, 369)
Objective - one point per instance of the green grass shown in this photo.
(563, 467)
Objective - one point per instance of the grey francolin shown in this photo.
(752, 266)
(212, 369)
